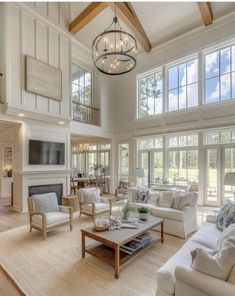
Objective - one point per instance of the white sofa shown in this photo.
(176, 277)
(176, 222)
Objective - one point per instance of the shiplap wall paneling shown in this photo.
(65, 57)
(54, 60)
(42, 103)
(28, 28)
(14, 65)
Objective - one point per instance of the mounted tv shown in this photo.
(46, 153)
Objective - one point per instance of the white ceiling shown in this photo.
(161, 21)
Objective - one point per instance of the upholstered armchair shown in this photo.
(91, 203)
(45, 214)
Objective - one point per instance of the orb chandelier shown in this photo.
(114, 51)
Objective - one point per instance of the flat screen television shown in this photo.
(46, 153)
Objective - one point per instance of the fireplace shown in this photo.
(40, 189)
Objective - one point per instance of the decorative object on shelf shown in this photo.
(143, 213)
(229, 180)
(114, 51)
(43, 79)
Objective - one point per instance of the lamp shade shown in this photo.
(229, 179)
(138, 172)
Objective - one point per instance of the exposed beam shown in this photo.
(90, 12)
(206, 12)
(127, 15)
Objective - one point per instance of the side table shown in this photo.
(72, 201)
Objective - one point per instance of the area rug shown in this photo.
(54, 267)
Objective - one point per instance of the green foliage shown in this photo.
(143, 210)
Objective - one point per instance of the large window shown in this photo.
(220, 75)
(81, 85)
(85, 157)
(183, 157)
(183, 85)
(150, 94)
(207, 77)
(123, 161)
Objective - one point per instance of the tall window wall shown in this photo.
(85, 157)
(181, 85)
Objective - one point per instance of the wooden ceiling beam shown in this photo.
(127, 15)
(87, 15)
(206, 12)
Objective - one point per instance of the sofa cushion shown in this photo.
(100, 207)
(215, 263)
(153, 197)
(231, 278)
(44, 203)
(207, 235)
(226, 215)
(168, 213)
(88, 195)
(166, 274)
(51, 218)
(166, 199)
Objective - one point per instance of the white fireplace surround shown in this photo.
(23, 180)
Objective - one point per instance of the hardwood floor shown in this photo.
(10, 219)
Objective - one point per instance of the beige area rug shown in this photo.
(54, 266)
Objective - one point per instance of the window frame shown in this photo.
(209, 51)
(138, 78)
(86, 68)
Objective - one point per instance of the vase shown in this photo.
(143, 216)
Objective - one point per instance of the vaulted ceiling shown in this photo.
(160, 20)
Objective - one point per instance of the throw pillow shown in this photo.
(183, 200)
(45, 202)
(231, 278)
(166, 199)
(226, 215)
(227, 232)
(215, 263)
(143, 196)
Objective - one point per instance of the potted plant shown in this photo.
(143, 213)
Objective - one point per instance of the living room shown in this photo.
(117, 127)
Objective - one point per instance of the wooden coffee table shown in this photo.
(109, 242)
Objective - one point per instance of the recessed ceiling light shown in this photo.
(21, 114)
(61, 122)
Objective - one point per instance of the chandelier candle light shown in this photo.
(114, 51)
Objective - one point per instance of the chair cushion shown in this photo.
(51, 218)
(88, 195)
(44, 203)
(168, 213)
(100, 207)
(166, 274)
(166, 199)
(226, 215)
(207, 235)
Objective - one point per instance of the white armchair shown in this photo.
(91, 203)
(45, 214)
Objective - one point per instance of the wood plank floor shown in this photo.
(10, 219)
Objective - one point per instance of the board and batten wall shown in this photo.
(30, 35)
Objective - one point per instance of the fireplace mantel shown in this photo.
(44, 172)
